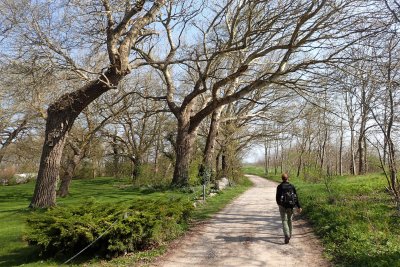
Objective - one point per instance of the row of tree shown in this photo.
(147, 80)
(352, 125)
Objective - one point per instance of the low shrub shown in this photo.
(7, 175)
(64, 231)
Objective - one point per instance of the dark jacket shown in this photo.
(279, 194)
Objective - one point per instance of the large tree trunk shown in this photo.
(45, 189)
(184, 146)
(60, 117)
(210, 143)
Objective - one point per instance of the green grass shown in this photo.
(14, 201)
(357, 221)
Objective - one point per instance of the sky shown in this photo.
(255, 153)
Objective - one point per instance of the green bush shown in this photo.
(63, 231)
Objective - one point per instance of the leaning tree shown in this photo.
(70, 34)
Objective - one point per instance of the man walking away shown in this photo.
(286, 198)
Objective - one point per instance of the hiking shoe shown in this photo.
(287, 239)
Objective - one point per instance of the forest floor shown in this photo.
(248, 232)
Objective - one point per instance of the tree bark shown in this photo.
(45, 189)
(210, 143)
(341, 150)
(157, 152)
(136, 168)
(184, 146)
(323, 149)
(361, 138)
(282, 157)
(224, 164)
(60, 118)
(276, 157)
(391, 148)
(266, 156)
(63, 190)
(217, 163)
(300, 161)
(361, 156)
(115, 157)
(353, 160)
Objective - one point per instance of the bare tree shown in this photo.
(230, 43)
(80, 140)
(387, 117)
(25, 87)
(138, 132)
(350, 105)
(394, 7)
(8, 134)
(119, 24)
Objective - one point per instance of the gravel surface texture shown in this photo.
(248, 232)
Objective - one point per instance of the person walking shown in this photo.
(286, 198)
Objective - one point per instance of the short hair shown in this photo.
(285, 176)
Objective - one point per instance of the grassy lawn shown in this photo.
(357, 221)
(14, 201)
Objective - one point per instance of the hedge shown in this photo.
(64, 231)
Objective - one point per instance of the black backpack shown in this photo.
(288, 197)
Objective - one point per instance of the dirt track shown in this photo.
(247, 233)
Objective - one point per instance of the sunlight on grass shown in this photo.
(14, 211)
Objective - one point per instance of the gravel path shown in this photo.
(247, 233)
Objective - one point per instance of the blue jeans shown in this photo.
(286, 217)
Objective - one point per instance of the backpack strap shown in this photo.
(286, 187)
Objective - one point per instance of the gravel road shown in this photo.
(247, 233)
